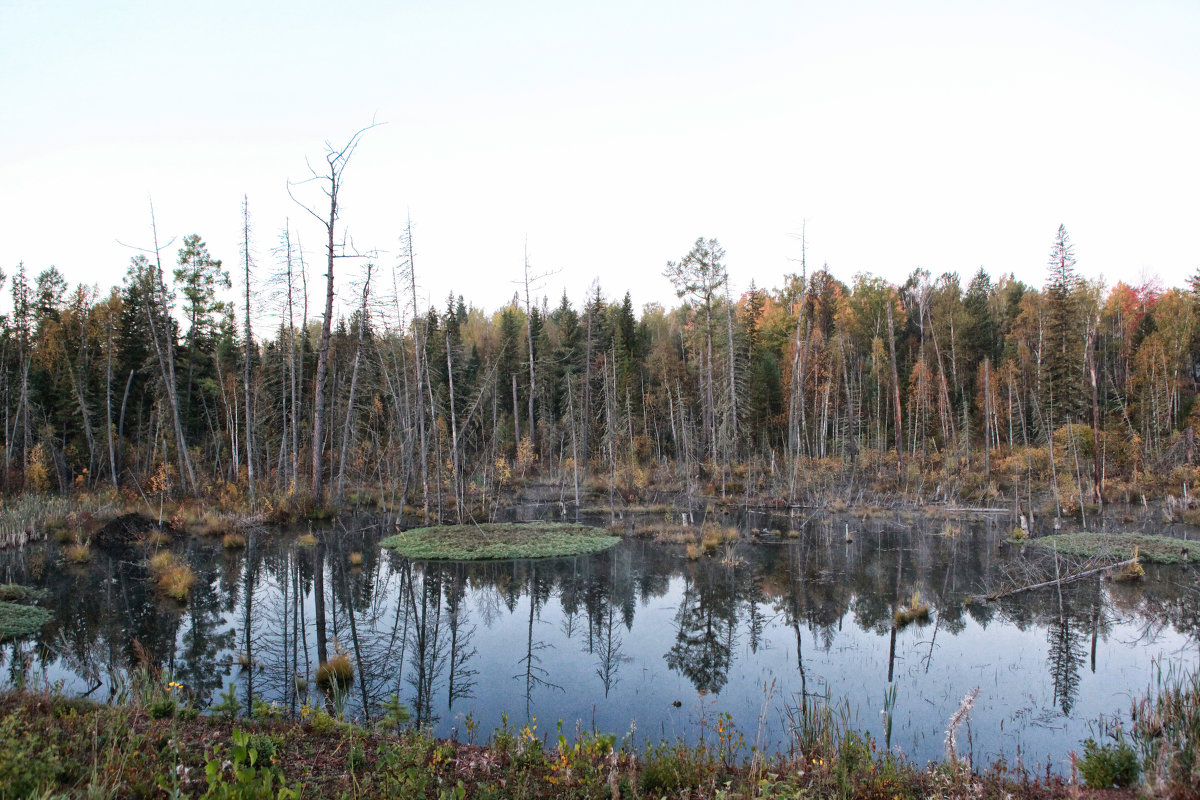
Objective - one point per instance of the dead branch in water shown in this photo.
(1057, 581)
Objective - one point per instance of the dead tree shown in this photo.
(336, 160)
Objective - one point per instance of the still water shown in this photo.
(636, 640)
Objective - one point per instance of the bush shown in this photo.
(1104, 766)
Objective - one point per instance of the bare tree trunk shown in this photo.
(337, 160)
(458, 492)
(1097, 478)
(165, 350)
(249, 351)
(895, 394)
(362, 326)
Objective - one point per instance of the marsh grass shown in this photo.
(1166, 731)
(913, 611)
(233, 541)
(172, 574)
(1119, 546)
(78, 553)
(499, 541)
(307, 540)
(335, 674)
(356, 559)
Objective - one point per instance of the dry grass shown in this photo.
(693, 551)
(172, 574)
(78, 553)
(336, 673)
(356, 559)
(307, 540)
(233, 541)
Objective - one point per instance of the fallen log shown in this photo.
(987, 598)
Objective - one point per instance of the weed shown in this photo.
(1104, 766)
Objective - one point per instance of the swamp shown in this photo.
(648, 640)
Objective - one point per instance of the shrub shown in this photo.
(1104, 766)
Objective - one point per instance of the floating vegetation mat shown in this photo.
(1120, 546)
(499, 541)
(17, 622)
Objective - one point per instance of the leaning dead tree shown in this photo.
(336, 160)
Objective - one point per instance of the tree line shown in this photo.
(927, 387)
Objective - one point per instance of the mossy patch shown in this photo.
(1120, 546)
(17, 622)
(499, 541)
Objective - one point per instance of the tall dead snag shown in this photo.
(249, 349)
(336, 160)
(895, 394)
(1097, 475)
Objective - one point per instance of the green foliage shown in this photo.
(163, 708)
(229, 706)
(1104, 766)
(28, 762)
(395, 712)
(19, 622)
(248, 776)
(499, 541)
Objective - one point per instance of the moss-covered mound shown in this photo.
(17, 622)
(500, 540)
(1119, 546)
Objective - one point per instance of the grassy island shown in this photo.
(1117, 546)
(499, 540)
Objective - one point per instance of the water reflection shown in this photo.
(635, 634)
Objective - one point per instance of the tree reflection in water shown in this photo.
(627, 632)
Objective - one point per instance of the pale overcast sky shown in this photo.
(944, 135)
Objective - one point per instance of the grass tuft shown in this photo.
(336, 673)
(173, 575)
(233, 541)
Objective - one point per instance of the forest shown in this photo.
(926, 391)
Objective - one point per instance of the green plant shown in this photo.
(229, 706)
(27, 760)
(245, 778)
(261, 709)
(396, 713)
(162, 708)
(1104, 766)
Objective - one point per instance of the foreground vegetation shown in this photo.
(156, 745)
(499, 540)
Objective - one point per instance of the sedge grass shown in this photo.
(499, 541)
(172, 574)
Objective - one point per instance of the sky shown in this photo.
(600, 140)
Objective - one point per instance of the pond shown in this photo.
(635, 640)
